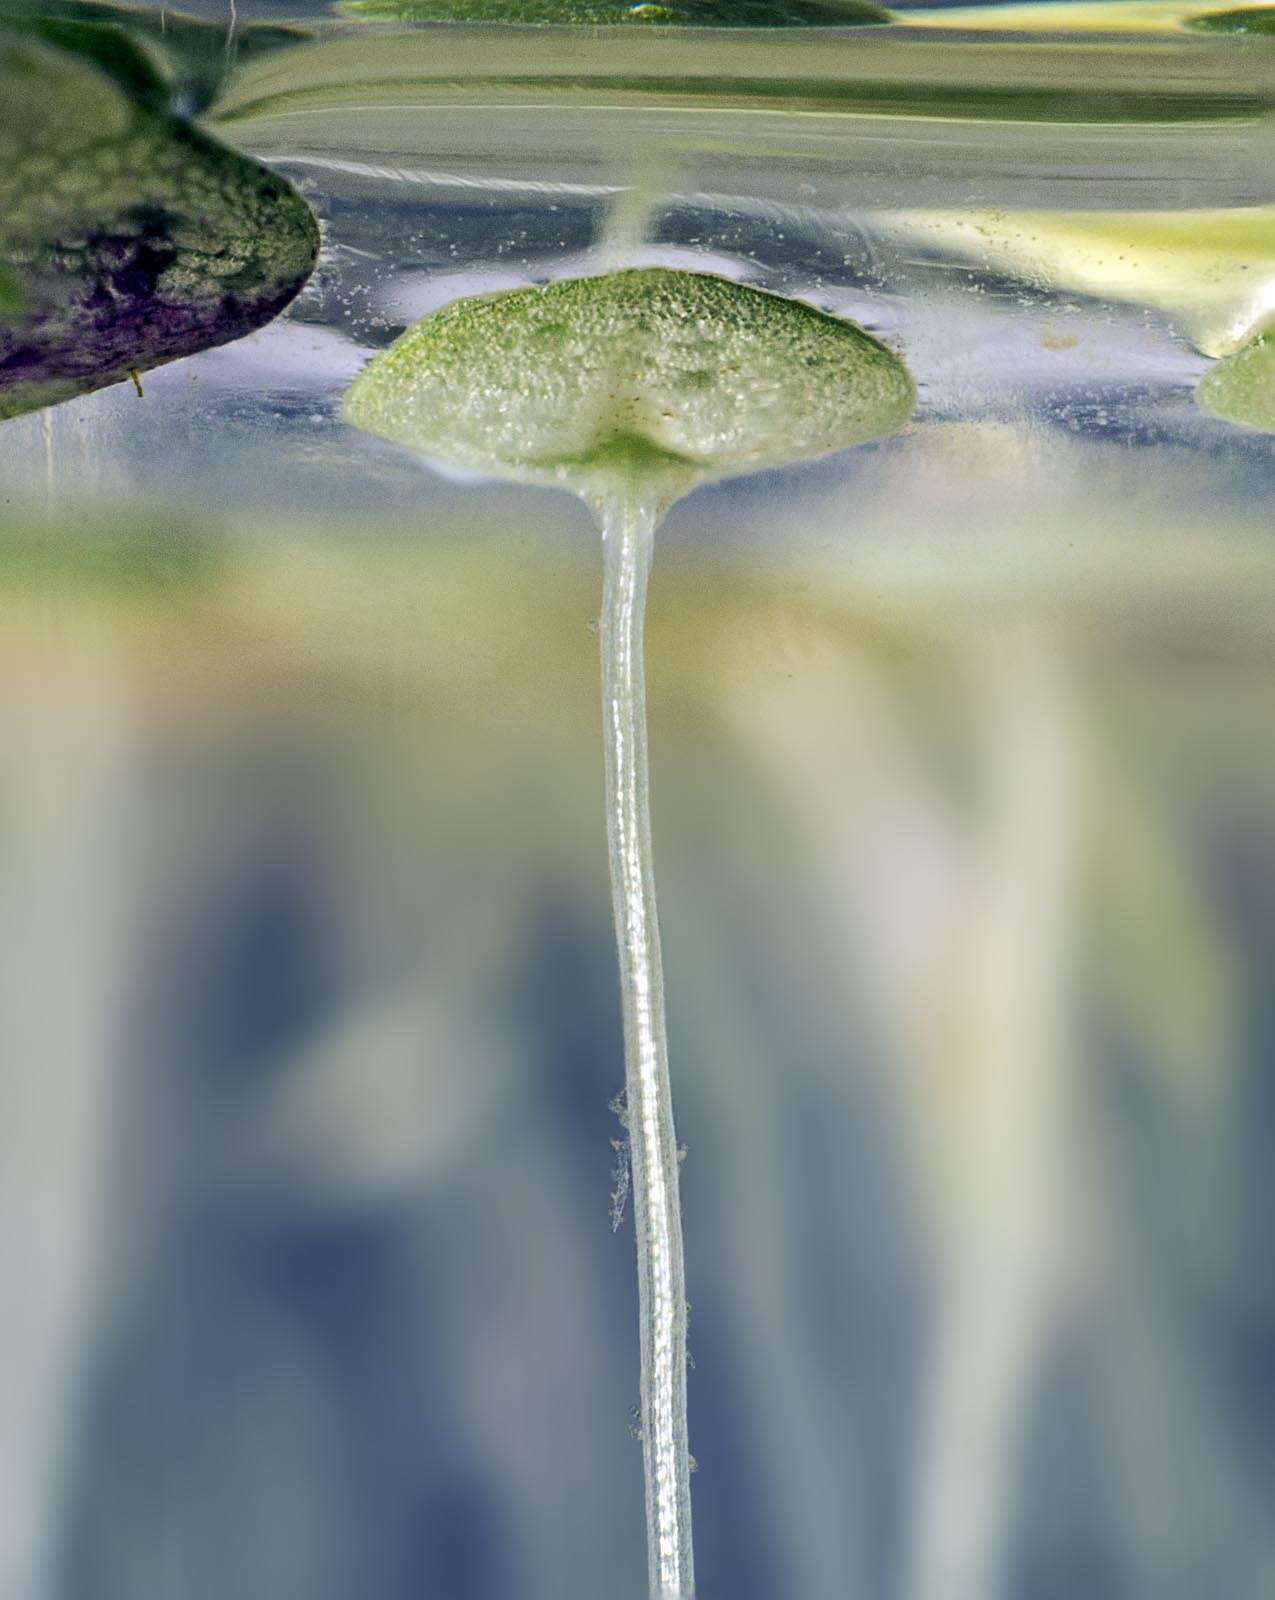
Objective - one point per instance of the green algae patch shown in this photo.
(675, 378)
(643, 13)
(127, 238)
(11, 298)
(1242, 387)
(1243, 19)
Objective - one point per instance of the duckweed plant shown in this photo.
(1208, 273)
(642, 13)
(1095, 16)
(1241, 388)
(1256, 20)
(127, 238)
(630, 390)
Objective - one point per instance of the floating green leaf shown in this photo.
(1212, 273)
(1242, 388)
(1055, 16)
(127, 238)
(644, 13)
(1243, 19)
(673, 378)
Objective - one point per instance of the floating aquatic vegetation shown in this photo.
(1062, 16)
(643, 13)
(127, 238)
(647, 377)
(1242, 387)
(631, 389)
(1212, 273)
(1243, 19)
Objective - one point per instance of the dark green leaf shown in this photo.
(127, 238)
(643, 13)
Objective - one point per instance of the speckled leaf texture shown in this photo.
(127, 238)
(674, 378)
(640, 13)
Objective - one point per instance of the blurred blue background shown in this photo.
(311, 1027)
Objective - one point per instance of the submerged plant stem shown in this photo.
(628, 527)
(582, 384)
